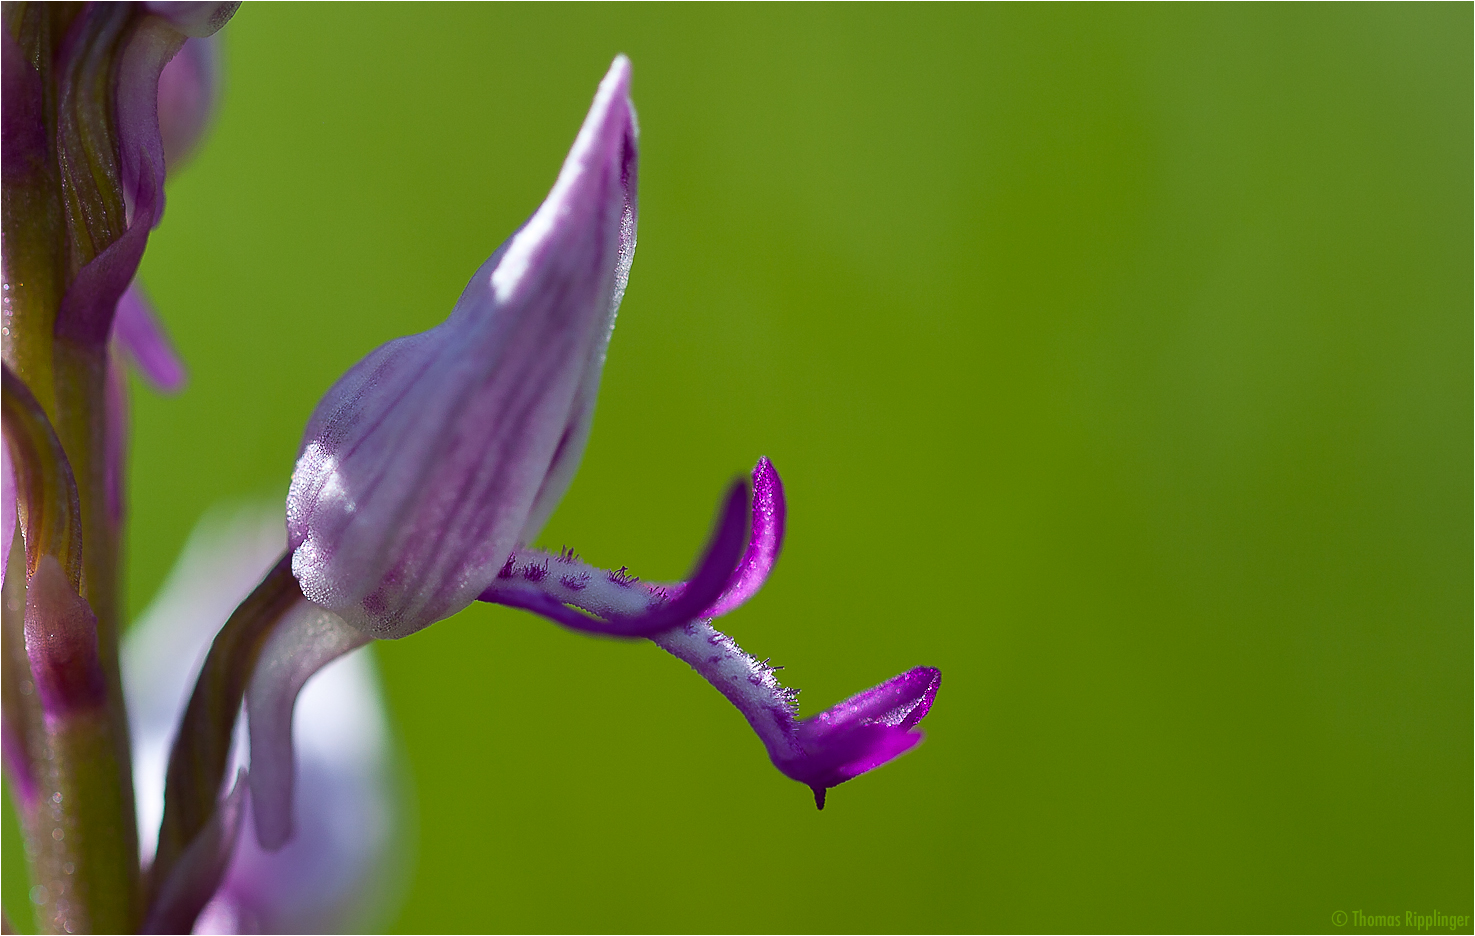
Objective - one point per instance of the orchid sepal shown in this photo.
(426, 465)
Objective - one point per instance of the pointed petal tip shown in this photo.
(930, 680)
(819, 796)
(719, 562)
(619, 70)
(137, 328)
(605, 143)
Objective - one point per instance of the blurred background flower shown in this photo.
(341, 870)
(1117, 360)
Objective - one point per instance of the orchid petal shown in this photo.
(198, 874)
(86, 311)
(570, 450)
(863, 732)
(306, 640)
(421, 467)
(848, 755)
(227, 555)
(765, 539)
(860, 734)
(137, 329)
(900, 701)
(201, 749)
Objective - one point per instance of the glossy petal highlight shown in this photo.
(861, 733)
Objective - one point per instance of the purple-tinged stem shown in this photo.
(85, 862)
(24, 730)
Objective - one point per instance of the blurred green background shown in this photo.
(1117, 361)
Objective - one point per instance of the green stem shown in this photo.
(104, 767)
(80, 818)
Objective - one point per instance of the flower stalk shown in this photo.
(81, 187)
(82, 857)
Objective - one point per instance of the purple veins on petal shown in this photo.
(138, 331)
(619, 605)
(423, 467)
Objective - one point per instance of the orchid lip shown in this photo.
(564, 599)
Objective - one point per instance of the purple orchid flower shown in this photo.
(429, 465)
